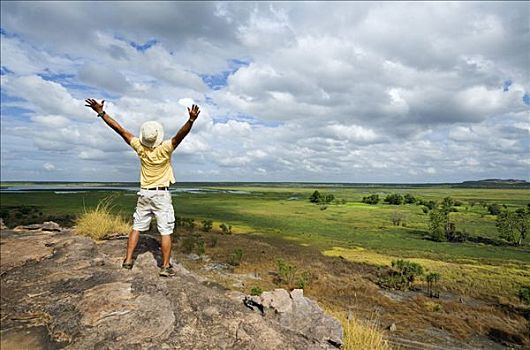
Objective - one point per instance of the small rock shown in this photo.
(2, 225)
(392, 327)
(193, 256)
(281, 301)
(46, 226)
(50, 226)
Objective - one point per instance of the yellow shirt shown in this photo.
(156, 170)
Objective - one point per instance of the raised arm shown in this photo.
(185, 129)
(98, 108)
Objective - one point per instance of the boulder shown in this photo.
(299, 314)
(78, 291)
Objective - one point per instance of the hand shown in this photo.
(193, 112)
(97, 107)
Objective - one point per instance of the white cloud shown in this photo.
(370, 92)
(48, 166)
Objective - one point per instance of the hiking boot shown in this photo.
(167, 271)
(127, 266)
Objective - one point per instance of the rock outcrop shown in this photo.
(79, 292)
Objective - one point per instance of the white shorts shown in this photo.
(154, 203)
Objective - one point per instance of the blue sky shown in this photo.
(371, 92)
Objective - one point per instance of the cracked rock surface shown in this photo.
(76, 291)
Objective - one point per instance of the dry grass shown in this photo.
(359, 335)
(99, 223)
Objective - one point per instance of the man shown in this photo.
(156, 175)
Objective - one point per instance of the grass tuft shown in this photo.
(359, 335)
(99, 223)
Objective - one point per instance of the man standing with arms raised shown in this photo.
(154, 198)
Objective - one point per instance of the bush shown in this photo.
(514, 226)
(494, 209)
(235, 258)
(438, 221)
(402, 275)
(394, 198)
(524, 294)
(432, 284)
(212, 241)
(188, 223)
(256, 291)
(226, 229)
(319, 198)
(207, 225)
(286, 273)
(409, 199)
(371, 199)
(315, 197)
(303, 280)
(200, 248)
(396, 218)
(425, 210)
(99, 223)
(430, 204)
(188, 244)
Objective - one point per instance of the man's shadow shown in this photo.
(149, 241)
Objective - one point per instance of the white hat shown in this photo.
(151, 134)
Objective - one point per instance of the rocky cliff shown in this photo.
(59, 290)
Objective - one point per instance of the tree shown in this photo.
(432, 281)
(315, 197)
(394, 198)
(409, 199)
(494, 209)
(371, 199)
(513, 226)
(447, 204)
(438, 223)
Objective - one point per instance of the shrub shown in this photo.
(432, 283)
(524, 294)
(235, 258)
(396, 218)
(286, 273)
(315, 197)
(438, 221)
(431, 204)
(494, 209)
(188, 223)
(207, 225)
(188, 244)
(425, 210)
(514, 226)
(319, 198)
(447, 203)
(402, 275)
(256, 291)
(200, 248)
(394, 198)
(226, 229)
(371, 199)
(212, 241)
(99, 223)
(303, 280)
(409, 199)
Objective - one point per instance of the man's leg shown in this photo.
(166, 249)
(131, 245)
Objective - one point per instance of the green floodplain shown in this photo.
(356, 231)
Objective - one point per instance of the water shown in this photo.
(72, 189)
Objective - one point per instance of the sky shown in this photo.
(381, 92)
